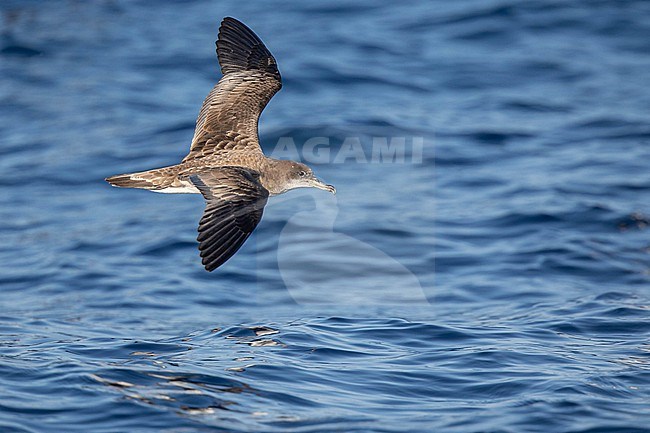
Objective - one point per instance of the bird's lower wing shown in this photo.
(235, 201)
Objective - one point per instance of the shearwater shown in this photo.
(226, 163)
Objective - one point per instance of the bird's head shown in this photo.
(298, 175)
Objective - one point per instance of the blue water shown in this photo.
(495, 281)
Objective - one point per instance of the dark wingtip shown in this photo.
(240, 49)
(209, 266)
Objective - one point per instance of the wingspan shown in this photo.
(235, 201)
(230, 113)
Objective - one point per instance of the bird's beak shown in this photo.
(317, 183)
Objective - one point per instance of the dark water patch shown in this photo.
(15, 50)
(535, 106)
(490, 12)
(492, 35)
(170, 246)
(634, 221)
(180, 127)
(493, 137)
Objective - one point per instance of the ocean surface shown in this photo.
(484, 267)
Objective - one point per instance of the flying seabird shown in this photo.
(226, 163)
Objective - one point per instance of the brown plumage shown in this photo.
(225, 163)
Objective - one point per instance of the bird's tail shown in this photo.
(157, 179)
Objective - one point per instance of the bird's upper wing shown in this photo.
(235, 200)
(229, 115)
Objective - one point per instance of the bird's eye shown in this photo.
(302, 173)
